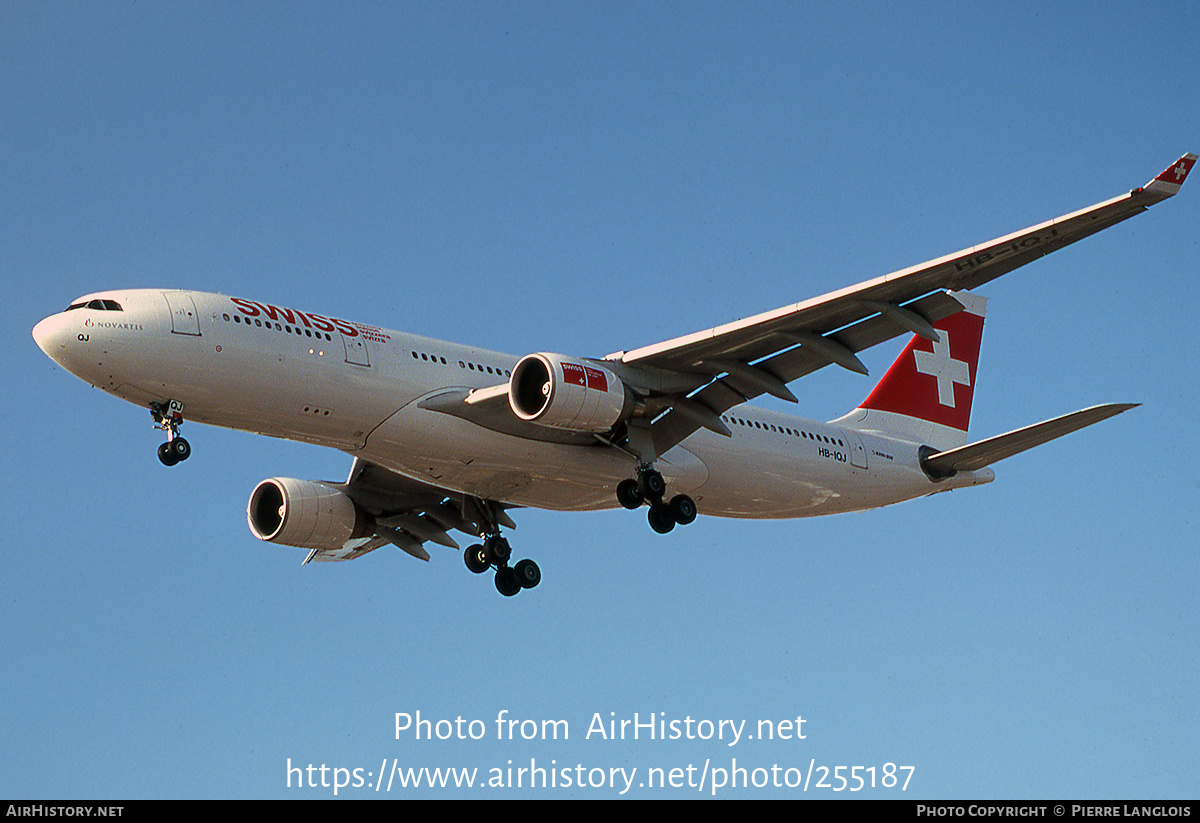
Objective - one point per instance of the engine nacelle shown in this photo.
(568, 393)
(304, 513)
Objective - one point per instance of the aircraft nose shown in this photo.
(52, 337)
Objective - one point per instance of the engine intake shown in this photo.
(304, 513)
(568, 393)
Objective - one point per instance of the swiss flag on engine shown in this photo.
(585, 376)
(935, 380)
(573, 374)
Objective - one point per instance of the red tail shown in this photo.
(926, 394)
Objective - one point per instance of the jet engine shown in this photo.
(568, 393)
(305, 513)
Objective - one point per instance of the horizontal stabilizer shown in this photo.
(939, 465)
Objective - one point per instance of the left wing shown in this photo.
(738, 361)
(408, 513)
(686, 383)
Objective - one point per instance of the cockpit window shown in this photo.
(99, 305)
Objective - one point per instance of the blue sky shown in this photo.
(588, 178)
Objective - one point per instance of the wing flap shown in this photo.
(811, 354)
(352, 550)
(861, 335)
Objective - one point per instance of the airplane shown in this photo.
(452, 437)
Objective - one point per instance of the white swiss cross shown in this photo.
(1180, 171)
(938, 363)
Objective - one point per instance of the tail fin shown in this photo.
(926, 394)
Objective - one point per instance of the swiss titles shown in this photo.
(252, 308)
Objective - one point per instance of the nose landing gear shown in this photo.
(649, 487)
(169, 417)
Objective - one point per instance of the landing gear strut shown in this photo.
(169, 417)
(649, 487)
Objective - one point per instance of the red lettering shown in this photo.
(274, 312)
(344, 327)
(321, 323)
(251, 308)
(247, 307)
(574, 374)
(595, 379)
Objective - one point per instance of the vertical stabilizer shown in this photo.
(926, 394)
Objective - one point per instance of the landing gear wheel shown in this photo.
(660, 517)
(180, 448)
(528, 574)
(683, 509)
(506, 581)
(651, 485)
(628, 494)
(497, 550)
(167, 455)
(476, 559)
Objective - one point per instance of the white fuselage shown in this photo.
(296, 375)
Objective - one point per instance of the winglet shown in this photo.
(1168, 183)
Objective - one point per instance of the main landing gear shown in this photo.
(494, 552)
(649, 487)
(169, 417)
